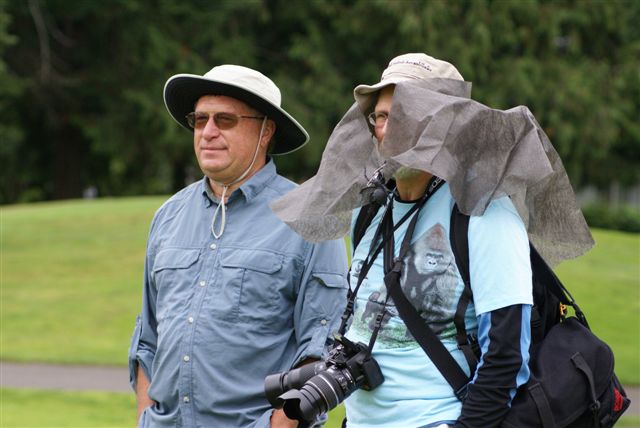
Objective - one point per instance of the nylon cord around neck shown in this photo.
(222, 206)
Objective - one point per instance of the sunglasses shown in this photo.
(223, 120)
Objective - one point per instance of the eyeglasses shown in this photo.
(377, 119)
(223, 120)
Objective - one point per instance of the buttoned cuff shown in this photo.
(317, 346)
(138, 356)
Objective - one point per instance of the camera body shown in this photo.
(313, 389)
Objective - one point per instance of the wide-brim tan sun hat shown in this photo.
(182, 91)
(411, 66)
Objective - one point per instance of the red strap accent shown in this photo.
(619, 400)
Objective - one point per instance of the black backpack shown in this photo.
(572, 382)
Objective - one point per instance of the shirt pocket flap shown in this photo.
(175, 258)
(331, 280)
(257, 260)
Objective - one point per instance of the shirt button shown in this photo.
(190, 320)
(186, 399)
(202, 284)
(323, 322)
(213, 246)
(186, 358)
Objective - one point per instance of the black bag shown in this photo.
(572, 382)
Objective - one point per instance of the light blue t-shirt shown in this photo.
(414, 393)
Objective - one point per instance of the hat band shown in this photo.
(400, 74)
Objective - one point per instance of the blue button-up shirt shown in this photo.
(218, 315)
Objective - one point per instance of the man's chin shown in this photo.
(213, 166)
(215, 174)
(406, 173)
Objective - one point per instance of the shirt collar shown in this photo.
(250, 188)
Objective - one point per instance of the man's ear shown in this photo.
(269, 131)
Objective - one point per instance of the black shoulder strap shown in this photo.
(423, 334)
(365, 216)
(367, 213)
(543, 274)
(459, 238)
(419, 329)
(426, 337)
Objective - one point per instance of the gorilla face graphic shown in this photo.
(429, 278)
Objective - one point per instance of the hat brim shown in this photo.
(365, 95)
(182, 91)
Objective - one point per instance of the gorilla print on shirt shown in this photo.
(430, 282)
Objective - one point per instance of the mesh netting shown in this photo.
(482, 153)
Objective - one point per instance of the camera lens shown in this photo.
(322, 386)
(320, 394)
(276, 384)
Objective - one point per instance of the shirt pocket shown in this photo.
(175, 271)
(329, 289)
(330, 280)
(251, 283)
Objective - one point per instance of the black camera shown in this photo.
(313, 389)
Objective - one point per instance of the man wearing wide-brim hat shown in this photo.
(231, 294)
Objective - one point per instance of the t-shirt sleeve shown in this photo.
(499, 263)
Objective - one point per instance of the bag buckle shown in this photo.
(397, 265)
(563, 310)
(461, 394)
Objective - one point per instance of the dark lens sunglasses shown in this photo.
(223, 120)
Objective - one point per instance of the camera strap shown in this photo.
(419, 329)
(377, 243)
(388, 250)
(383, 240)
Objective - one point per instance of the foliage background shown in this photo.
(81, 106)
(81, 81)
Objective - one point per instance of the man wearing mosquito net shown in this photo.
(413, 148)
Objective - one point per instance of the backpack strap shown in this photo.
(365, 216)
(459, 238)
(368, 212)
(426, 337)
(419, 329)
(428, 340)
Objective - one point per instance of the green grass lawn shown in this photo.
(606, 284)
(71, 282)
(81, 409)
(70, 286)
(26, 408)
(71, 278)
(105, 410)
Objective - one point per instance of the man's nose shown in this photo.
(381, 131)
(210, 130)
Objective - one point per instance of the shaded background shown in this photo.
(81, 115)
(81, 81)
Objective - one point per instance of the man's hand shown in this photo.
(280, 420)
(142, 397)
